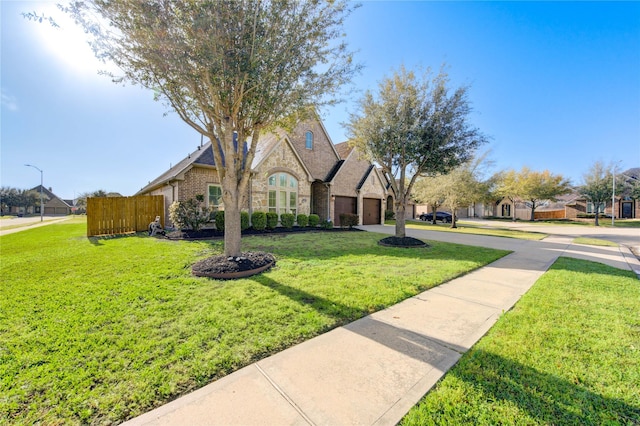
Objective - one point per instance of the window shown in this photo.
(215, 197)
(283, 193)
(591, 207)
(309, 140)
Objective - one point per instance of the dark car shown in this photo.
(440, 216)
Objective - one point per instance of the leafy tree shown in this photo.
(459, 188)
(7, 197)
(464, 186)
(230, 69)
(540, 186)
(630, 180)
(81, 201)
(427, 190)
(597, 186)
(414, 126)
(508, 185)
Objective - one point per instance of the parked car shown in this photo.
(440, 216)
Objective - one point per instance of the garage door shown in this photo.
(344, 205)
(371, 211)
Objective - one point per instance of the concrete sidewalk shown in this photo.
(22, 224)
(374, 370)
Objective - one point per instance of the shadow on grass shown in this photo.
(546, 398)
(341, 313)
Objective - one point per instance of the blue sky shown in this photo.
(554, 85)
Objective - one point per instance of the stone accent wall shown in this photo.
(322, 157)
(282, 159)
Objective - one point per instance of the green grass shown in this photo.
(469, 228)
(594, 242)
(567, 354)
(101, 330)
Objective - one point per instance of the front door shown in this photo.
(627, 210)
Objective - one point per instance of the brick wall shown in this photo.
(322, 157)
(349, 175)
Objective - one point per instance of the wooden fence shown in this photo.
(122, 215)
(550, 214)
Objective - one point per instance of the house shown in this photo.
(53, 205)
(300, 171)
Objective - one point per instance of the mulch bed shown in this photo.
(406, 242)
(223, 267)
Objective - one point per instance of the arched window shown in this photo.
(283, 193)
(309, 139)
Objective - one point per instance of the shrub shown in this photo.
(190, 214)
(219, 219)
(389, 215)
(348, 219)
(314, 219)
(303, 220)
(327, 224)
(259, 220)
(244, 221)
(287, 220)
(272, 220)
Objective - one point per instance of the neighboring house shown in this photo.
(300, 171)
(53, 205)
(624, 208)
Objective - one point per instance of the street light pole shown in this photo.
(41, 189)
(613, 199)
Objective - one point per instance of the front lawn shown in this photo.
(567, 354)
(470, 228)
(101, 330)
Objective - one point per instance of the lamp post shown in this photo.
(613, 199)
(41, 189)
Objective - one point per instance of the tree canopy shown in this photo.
(597, 186)
(530, 185)
(230, 69)
(413, 126)
(460, 187)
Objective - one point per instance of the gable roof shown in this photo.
(364, 178)
(50, 195)
(202, 156)
(343, 149)
(334, 171)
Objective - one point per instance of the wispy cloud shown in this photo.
(9, 102)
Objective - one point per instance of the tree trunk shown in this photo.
(232, 230)
(400, 219)
(597, 211)
(453, 218)
(533, 212)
